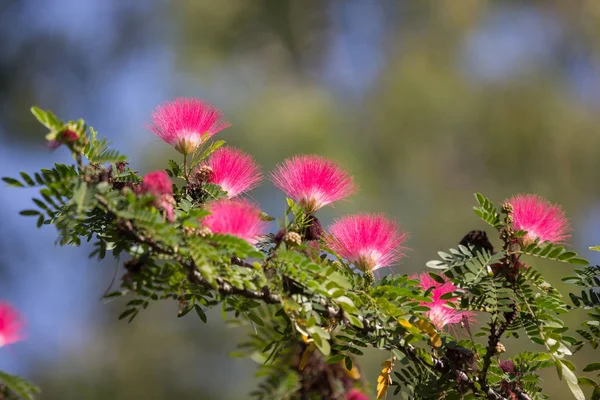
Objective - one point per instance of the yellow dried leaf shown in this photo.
(429, 329)
(385, 378)
(404, 323)
(306, 355)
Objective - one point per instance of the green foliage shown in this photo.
(487, 211)
(97, 151)
(553, 252)
(304, 308)
(11, 386)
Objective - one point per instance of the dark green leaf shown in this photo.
(12, 182)
(592, 367)
(29, 212)
(348, 363)
(200, 313)
(335, 359)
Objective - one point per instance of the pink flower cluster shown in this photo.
(159, 185)
(187, 123)
(369, 241)
(440, 313)
(235, 217)
(541, 219)
(232, 169)
(11, 325)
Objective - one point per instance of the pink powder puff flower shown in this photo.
(369, 241)
(187, 123)
(11, 325)
(232, 169)
(355, 394)
(313, 181)
(541, 219)
(235, 217)
(158, 184)
(440, 313)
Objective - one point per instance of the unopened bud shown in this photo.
(500, 348)
(292, 238)
(204, 231)
(279, 236)
(314, 230)
(189, 231)
(203, 174)
(369, 278)
(69, 136)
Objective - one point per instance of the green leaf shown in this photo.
(256, 319)
(355, 321)
(487, 211)
(437, 277)
(266, 217)
(448, 296)
(28, 180)
(571, 380)
(321, 338)
(211, 149)
(79, 196)
(585, 381)
(46, 118)
(579, 261)
(19, 386)
(127, 313)
(592, 367)
(200, 313)
(335, 359)
(348, 363)
(347, 304)
(29, 212)
(13, 182)
(554, 252)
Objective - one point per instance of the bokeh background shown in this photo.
(425, 102)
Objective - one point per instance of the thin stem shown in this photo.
(185, 171)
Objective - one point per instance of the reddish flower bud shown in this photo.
(508, 366)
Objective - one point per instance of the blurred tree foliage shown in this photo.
(423, 135)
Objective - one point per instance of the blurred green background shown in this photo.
(425, 102)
